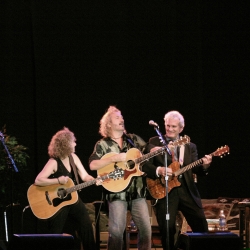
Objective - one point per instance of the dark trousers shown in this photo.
(179, 199)
(79, 214)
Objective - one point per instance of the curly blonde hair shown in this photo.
(104, 130)
(60, 146)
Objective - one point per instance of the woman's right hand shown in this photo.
(63, 179)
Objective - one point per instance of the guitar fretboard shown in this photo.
(85, 184)
(188, 167)
(184, 140)
(149, 155)
(218, 152)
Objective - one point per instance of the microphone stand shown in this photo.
(163, 141)
(12, 165)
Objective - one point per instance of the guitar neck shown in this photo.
(85, 184)
(188, 167)
(192, 165)
(177, 143)
(80, 186)
(149, 155)
(218, 152)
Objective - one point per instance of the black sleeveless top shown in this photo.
(62, 171)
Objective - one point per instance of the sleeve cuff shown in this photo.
(157, 170)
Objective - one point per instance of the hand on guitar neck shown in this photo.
(157, 188)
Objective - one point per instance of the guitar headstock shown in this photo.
(182, 141)
(221, 151)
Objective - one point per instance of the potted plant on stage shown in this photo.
(13, 172)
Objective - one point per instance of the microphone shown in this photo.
(152, 123)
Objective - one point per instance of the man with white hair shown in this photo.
(184, 198)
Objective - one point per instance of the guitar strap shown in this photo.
(132, 196)
(181, 155)
(73, 165)
(129, 140)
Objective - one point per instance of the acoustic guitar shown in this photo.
(131, 167)
(157, 188)
(46, 201)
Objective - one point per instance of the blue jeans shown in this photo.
(118, 220)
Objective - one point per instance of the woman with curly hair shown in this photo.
(58, 170)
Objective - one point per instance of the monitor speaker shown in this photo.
(41, 242)
(208, 241)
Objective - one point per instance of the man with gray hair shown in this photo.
(184, 198)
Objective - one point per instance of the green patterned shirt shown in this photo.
(137, 187)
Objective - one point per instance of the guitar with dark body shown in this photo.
(157, 188)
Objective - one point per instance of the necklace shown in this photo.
(116, 138)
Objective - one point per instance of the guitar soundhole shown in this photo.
(130, 164)
(61, 193)
(58, 201)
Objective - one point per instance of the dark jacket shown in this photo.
(190, 156)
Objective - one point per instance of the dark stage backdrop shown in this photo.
(64, 62)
